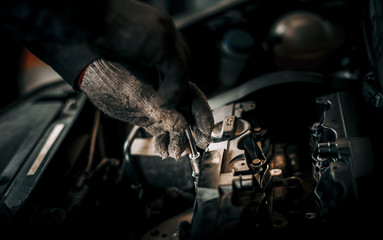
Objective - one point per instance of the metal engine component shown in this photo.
(234, 173)
(250, 185)
(340, 155)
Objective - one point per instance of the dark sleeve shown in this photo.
(57, 32)
(68, 60)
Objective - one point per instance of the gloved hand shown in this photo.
(136, 32)
(124, 93)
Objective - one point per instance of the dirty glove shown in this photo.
(137, 32)
(124, 93)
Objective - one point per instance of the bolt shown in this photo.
(276, 171)
(256, 162)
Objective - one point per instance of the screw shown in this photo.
(256, 162)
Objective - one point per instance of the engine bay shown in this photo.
(295, 148)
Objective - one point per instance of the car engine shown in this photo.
(297, 102)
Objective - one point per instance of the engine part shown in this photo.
(249, 185)
(234, 174)
(265, 81)
(31, 132)
(303, 40)
(235, 48)
(341, 154)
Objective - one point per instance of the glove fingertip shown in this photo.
(202, 112)
(202, 140)
(177, 145)
(161, 145)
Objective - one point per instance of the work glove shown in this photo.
(133, 31)
(125, 93)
